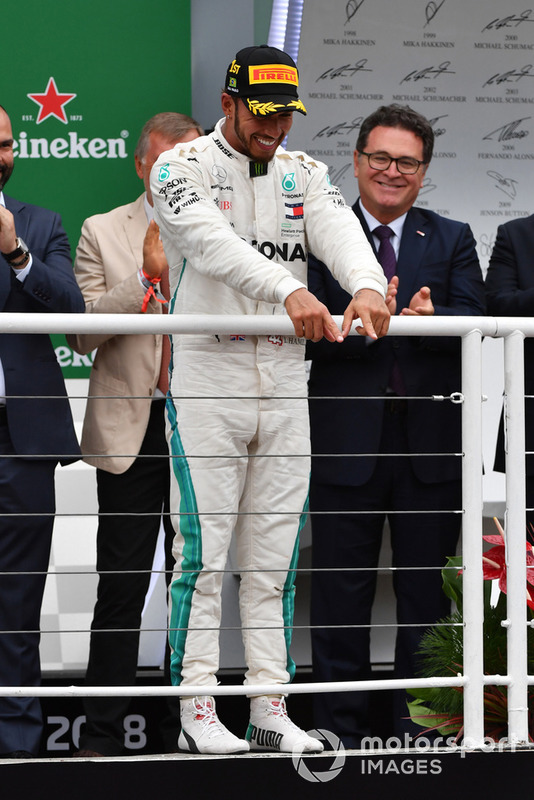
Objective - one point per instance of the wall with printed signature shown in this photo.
(467, 66)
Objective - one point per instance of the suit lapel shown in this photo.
(135, 228)
(414, 242)
(21, 218)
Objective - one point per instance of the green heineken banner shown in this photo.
(79, 80)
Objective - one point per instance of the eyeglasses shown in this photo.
(404, 164)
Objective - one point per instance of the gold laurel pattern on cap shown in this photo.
(298, 105)
(271, 108)
(264, 108)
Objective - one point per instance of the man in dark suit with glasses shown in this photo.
(432, 268)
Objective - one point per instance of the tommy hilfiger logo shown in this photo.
(294, 210)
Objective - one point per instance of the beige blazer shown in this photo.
(108, 256)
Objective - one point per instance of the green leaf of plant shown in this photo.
(452, 582)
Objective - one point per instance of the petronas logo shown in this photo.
(289, 182)
(164, 173)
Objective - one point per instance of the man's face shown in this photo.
(255, 136)
(387, 194)
(157, 144)
(6, 149)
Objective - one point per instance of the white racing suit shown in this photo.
(237, 408)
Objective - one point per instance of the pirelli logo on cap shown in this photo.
(272, 73)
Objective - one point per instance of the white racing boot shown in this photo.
(203, 732)
(271, 729)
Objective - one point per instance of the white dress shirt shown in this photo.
(396, 226)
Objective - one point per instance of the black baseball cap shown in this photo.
(266, 79)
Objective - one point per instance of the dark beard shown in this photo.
(239, 133)
(5, 175)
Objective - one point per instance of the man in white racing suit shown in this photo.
(237, 216)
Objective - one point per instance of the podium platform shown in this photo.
(353, 774)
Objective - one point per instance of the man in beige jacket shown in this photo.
(119, 264)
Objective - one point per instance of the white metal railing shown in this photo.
(471, 330)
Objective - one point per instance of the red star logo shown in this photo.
(51, 102)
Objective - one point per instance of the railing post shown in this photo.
(515, 529)
(473, 609)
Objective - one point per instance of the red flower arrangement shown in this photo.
(441, 649)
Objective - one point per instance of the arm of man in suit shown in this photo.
(154, 259)
(50, 282)
(507, 294)
(464, 295)
(455, 287)
(8, 234)
(125, 297)
(458, 289)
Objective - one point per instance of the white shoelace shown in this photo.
(278, 709)
(207, 716)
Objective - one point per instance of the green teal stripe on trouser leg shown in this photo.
(183, 586)
(288, 601)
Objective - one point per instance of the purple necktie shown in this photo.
(388, 261)
(386, 253)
